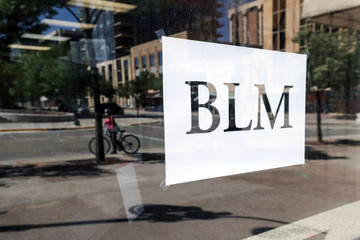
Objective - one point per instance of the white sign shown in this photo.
(230, 110)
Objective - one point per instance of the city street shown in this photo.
(77, 199)
(28, 147)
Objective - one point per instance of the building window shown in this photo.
(237, 28)
(126, 70)
(119, 74)
(252, 33)
(152, 60)
(279, 24)
(110, 73)
(136, 63)
(160, 58)
(143, 62)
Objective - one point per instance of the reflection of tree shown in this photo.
(45, 73)
(333, 63)
(123, 90)
(141, 85)
(16, 18)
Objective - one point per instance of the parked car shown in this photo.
(113, 107)
(83, 111)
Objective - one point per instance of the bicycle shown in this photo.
(126, 142)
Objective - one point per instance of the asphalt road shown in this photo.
(42, 145)
(30, 146)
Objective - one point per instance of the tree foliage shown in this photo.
(123, 90)
(334, 58)
(16, 18)
(49, 74)
(333, 64)
(140, 86)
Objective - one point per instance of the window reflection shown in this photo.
(61, 58)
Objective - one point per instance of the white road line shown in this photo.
(152, 138)
(152, 126)
(339, 223)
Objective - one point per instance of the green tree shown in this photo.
(330, 64)
(49, 74)
(123, 90)
(16, 18)
(140, 86)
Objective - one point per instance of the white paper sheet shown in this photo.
(240, 75)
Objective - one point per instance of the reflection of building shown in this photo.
(332, 13)
(146, 56)
(281, 24)
(117, 72)
(104, 29)
(136, 44)
(246, 24)
(139, 25)
(270, 24)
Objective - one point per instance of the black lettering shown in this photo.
(195, 105)
(272, 118)
(232, 122)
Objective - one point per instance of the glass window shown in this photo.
(119, 71)
(126, 70)
(143, 62)
(136, 62)
(110, 73)
(282, 4)
(152, 60)
(160, 58)
(63, 63)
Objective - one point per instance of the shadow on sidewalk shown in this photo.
(152, 213)
(348, 142)
(152, 158)
(84, 167)
(67, 169)
(313, 154)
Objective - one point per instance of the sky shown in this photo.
(63, 14)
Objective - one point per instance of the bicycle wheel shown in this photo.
(130, 144)
(92, 145)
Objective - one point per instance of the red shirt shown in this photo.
(110, 123)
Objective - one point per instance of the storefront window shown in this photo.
(69, 69)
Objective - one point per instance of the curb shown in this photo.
(147, 123)
(69, 128)
(45, 129)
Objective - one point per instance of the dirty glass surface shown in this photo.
(68, 66)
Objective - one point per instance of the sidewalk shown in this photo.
(128, 119)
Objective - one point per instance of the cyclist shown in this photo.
(111, 128)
